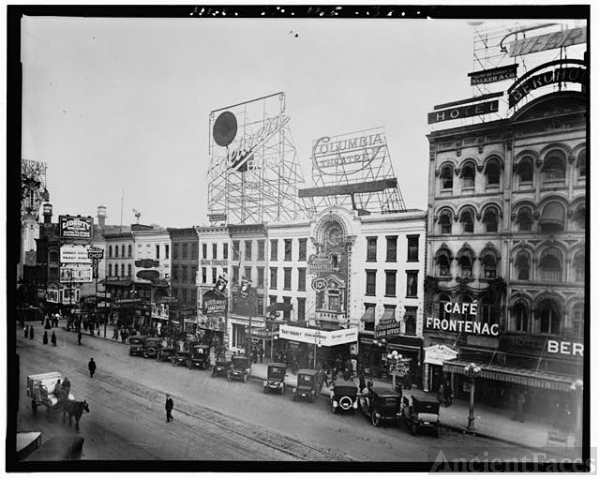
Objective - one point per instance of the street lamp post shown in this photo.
(317, 343)
(472, 372)
(576, 389)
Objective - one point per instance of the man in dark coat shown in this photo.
(45, 337)
(53, 339)
(92, 367)
(31, 333)
(79, 335)
(169, 408)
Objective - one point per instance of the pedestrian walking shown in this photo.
(53, 339)
(447, 393)
(519, 415)
(45, 337)
(31, 332)
(79, 336)
(66, 388)
(261, 352)
(440, 394)
(26, 331)
(408, 380)
(169, 408)
(92, 367)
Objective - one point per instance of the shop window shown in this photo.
(371, 285)
(492, 173)
(274, 250)
(549, 317)
(260, 280)
(580, 267)
(410, 321)
(468, 177)
(466, 219)
(390, 283)
(273, 284)
(447, 177)
(287, 246)
(489, 267)
(236, 250)
(442, 301)
(466, 266)
(413, 248)
(287, 278)
(372, 248)
(554, 167)
(301, 309)
(520, 317)
(490, 220)
(525, 171)
(551, 269)
(582, 163)
(412, 278)
(225, 251)
(524, 219)
(445, 222)
(391, 248)
(522, 266)
(578, 321)
(302, 249)
(301, 279)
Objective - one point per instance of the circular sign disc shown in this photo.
(225, 128)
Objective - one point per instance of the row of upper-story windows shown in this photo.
(547, 318)
(185, 251)
(185, 274)
(119, 251)
(412, 283)
(391, 252)
(214, 248)
(122, 270)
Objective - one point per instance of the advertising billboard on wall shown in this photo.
(75, 227)
(76, 273)
(74, 253)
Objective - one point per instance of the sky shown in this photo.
(118, 108)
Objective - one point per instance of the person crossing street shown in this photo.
(169, 408)
(92, 367)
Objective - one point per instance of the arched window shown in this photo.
(554, 167)
(445, 223)
(110, 251)
(578, 321)
(466, 299)
(580, 267)
(486, 309)
(129, 251)
(442, 301)
(489, 266)
(580, 217)
(549, 317)
(522, 266)
(582, 163)
(116, 251)
(552, 219)
(525, 171)
(492, 173)
(447, 177)
(490, 220)
(53, 257)
(520, 317)
(123, 250)
(466, 266)
(524, 219)
(443, 265)
(468, 176)
(551, 269)
(466, 218)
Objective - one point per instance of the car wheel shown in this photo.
(375, 420)
(413, 429)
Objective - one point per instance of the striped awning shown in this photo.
(524, 377)
(369, 316)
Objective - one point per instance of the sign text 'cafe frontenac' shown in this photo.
(461, 325)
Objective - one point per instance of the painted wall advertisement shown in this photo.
(76, 273)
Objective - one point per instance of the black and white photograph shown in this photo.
(298, 238)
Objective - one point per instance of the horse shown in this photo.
(74, 409)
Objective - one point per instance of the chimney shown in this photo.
(47, 210)
(101, 216)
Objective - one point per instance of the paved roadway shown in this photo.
(214, 420)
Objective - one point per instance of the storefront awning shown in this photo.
(524, 377)
(553, 214)
(369, 316)
(119, 283)
(388, 314)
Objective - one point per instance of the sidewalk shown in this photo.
(490, 422)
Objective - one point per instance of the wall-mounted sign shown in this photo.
(217, 217)
(74, 253)
(319, 284)
(148, 274)
(168, 299)
(387, 327)
(124, 301)
(493, 75)
(345, 154)
(461, 325)
(213, 303)
(523, 86)
(95, 253)
(462, 112)
(565, 347)
(76, 273)
(321, 263)
(549, 41)
(118, 278)
(214, 262)
(323, 338)
(75, 227)
(146, 263)
(438, 353)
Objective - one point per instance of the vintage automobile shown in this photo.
(221, 368)
(241, 367)
(199, 356)
(275, 378)
(380, 405)
(344, 395)
(421, 414)
(136, 345)
(308, 385)
(165, 354)
(180, 358)
(152, 346)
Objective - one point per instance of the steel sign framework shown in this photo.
(254, 175)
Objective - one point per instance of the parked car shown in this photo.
(221, 368)
(152, 346)
(381, 405)
(308, 385)
(241, 367)
(199, 357)
(136, 345)
(421, 414)
(344, 395)
(180, 358)
(275, 378)
(165, 354)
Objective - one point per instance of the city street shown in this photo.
(214, 420)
